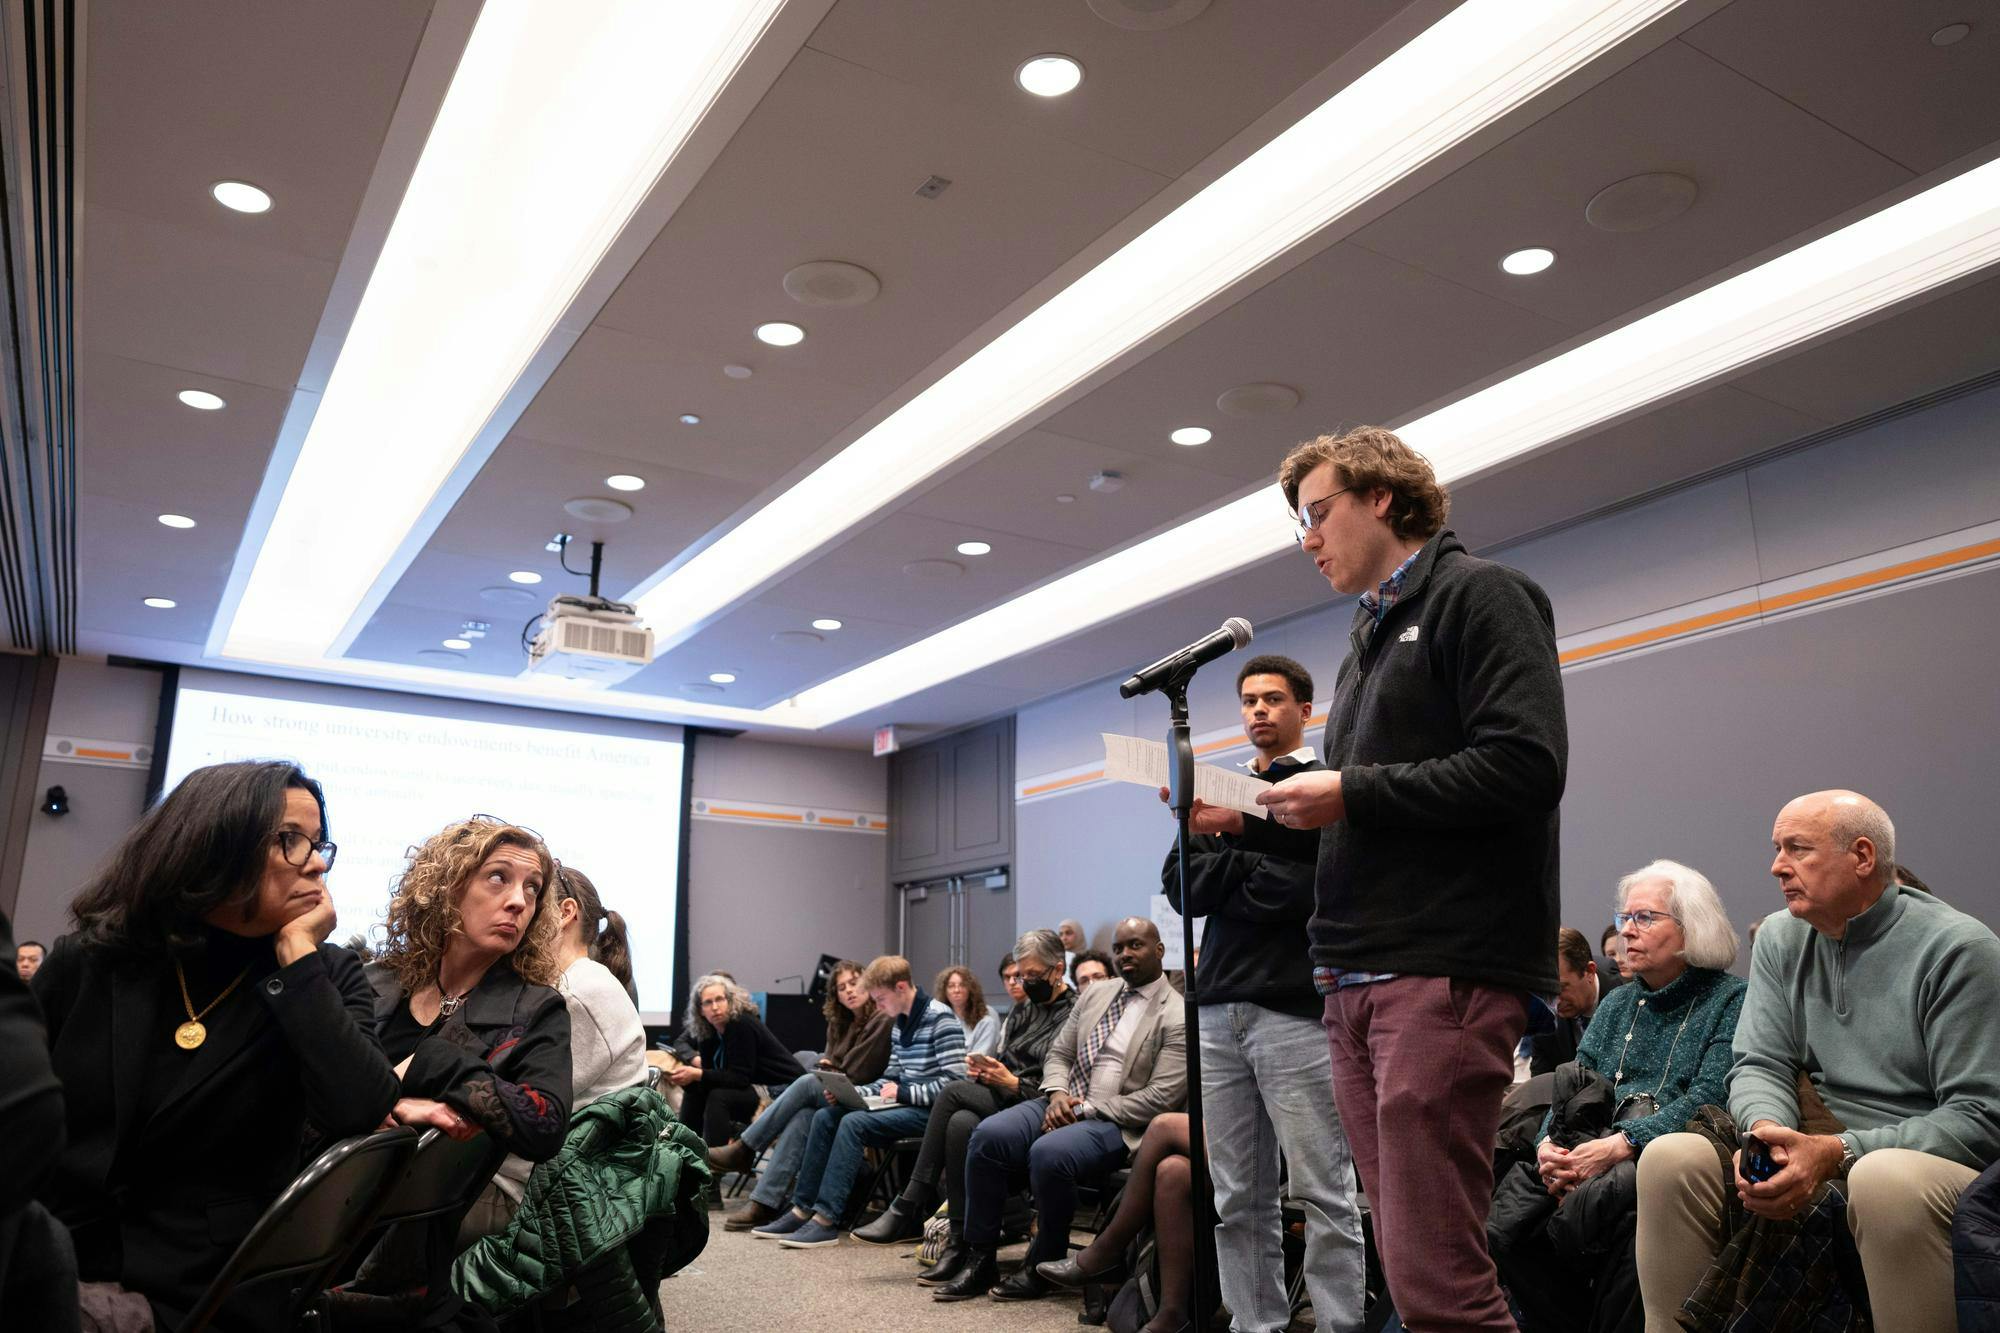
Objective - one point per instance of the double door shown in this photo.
(959, 920)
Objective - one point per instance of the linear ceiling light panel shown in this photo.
(1918, 245)
(1480, 62)
(559, 121)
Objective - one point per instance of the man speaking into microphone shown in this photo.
(1435, 894)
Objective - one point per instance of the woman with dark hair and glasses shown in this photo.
(202, 1029)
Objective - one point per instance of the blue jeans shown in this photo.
(1266, 1084)
(833, 1152)
(1010, 1147)
(783, 1127)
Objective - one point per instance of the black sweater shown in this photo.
(1255, 890)
(1448, 731)
(746, 1052)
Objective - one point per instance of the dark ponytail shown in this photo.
(603, 932)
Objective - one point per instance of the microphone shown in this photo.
(1234, 634)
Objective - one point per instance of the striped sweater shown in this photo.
(927, 1052)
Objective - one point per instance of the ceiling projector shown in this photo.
(590, 639)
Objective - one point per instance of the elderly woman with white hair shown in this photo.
(1663, 1043)
(733, 1052)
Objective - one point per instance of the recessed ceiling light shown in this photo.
(241, 196)
(161, 603)
(780, 334)
(975, 548)
(1192, 435)
(176, 521)
(737, 372)
(1951, 34)
(549, 185)
(202, 400)
(525, 576)
(1049, 75)
(1531, 260)
(458, 645)
(722, 677)
(625, 481)
(690, 419)
(826, 622)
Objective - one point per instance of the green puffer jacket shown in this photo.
(621, 1206)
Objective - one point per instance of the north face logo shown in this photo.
(1408, 636)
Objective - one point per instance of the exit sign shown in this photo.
(885, 741)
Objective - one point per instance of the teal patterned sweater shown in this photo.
(1679, 1046)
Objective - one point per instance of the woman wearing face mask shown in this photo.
(961, 990)
(199, 1022)
(857, 1045)
(993, 1085)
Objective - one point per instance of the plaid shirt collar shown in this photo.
(1384, 597)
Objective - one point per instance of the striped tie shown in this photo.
(1086, 1055)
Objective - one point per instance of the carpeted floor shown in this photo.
(740, 1282)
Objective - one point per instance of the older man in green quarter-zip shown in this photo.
(1886, 999)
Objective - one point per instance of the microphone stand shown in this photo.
(1180, 798)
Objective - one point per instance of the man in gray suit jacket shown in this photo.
(1120, 1060)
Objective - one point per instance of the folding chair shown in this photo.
(427, 1203)
(306, 1232)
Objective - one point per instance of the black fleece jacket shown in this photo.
(1255, 891)
(1448, 730)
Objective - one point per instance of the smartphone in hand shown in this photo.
(1758, 1164)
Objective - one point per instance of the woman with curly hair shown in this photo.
(857, 1044)
(732, 1051)
(959, 987)
(473, 1020)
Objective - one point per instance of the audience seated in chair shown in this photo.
(993, 1085)
(1120, 1060)
(1562, 1230)
(926, 1053)
(1159, 1193)
(1584, 987)
(857, 1045)
(199, 1023)
(729, 1053)
(960, 989)
(470, 1014)
(607, 1042)
(1090, 966)
(1885, 999)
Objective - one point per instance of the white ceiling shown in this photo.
(1791, 115)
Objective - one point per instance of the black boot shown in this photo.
(950, 1261)
(980, 1274)
(899, 1222)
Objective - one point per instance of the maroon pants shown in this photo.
(1419, 1067)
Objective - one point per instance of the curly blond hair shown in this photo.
(423, 910)
(1368, 457)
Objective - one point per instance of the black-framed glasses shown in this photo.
(1310, 516)
(1643, 919)
(298, 849)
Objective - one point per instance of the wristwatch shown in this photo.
(1848, 1157)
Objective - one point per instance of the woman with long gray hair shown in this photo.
(732, 1053)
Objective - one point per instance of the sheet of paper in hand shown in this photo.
(1129, 759)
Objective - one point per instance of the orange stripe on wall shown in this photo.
(1060, 783)
(1783, 601)
(85, 753)
(756, 814)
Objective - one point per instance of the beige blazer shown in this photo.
(1155, 1063)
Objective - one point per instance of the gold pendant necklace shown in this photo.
(191, 1033)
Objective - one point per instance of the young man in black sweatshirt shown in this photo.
(1436, 897)
(1264, 1068)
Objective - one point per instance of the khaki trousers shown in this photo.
(1899, 1208)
